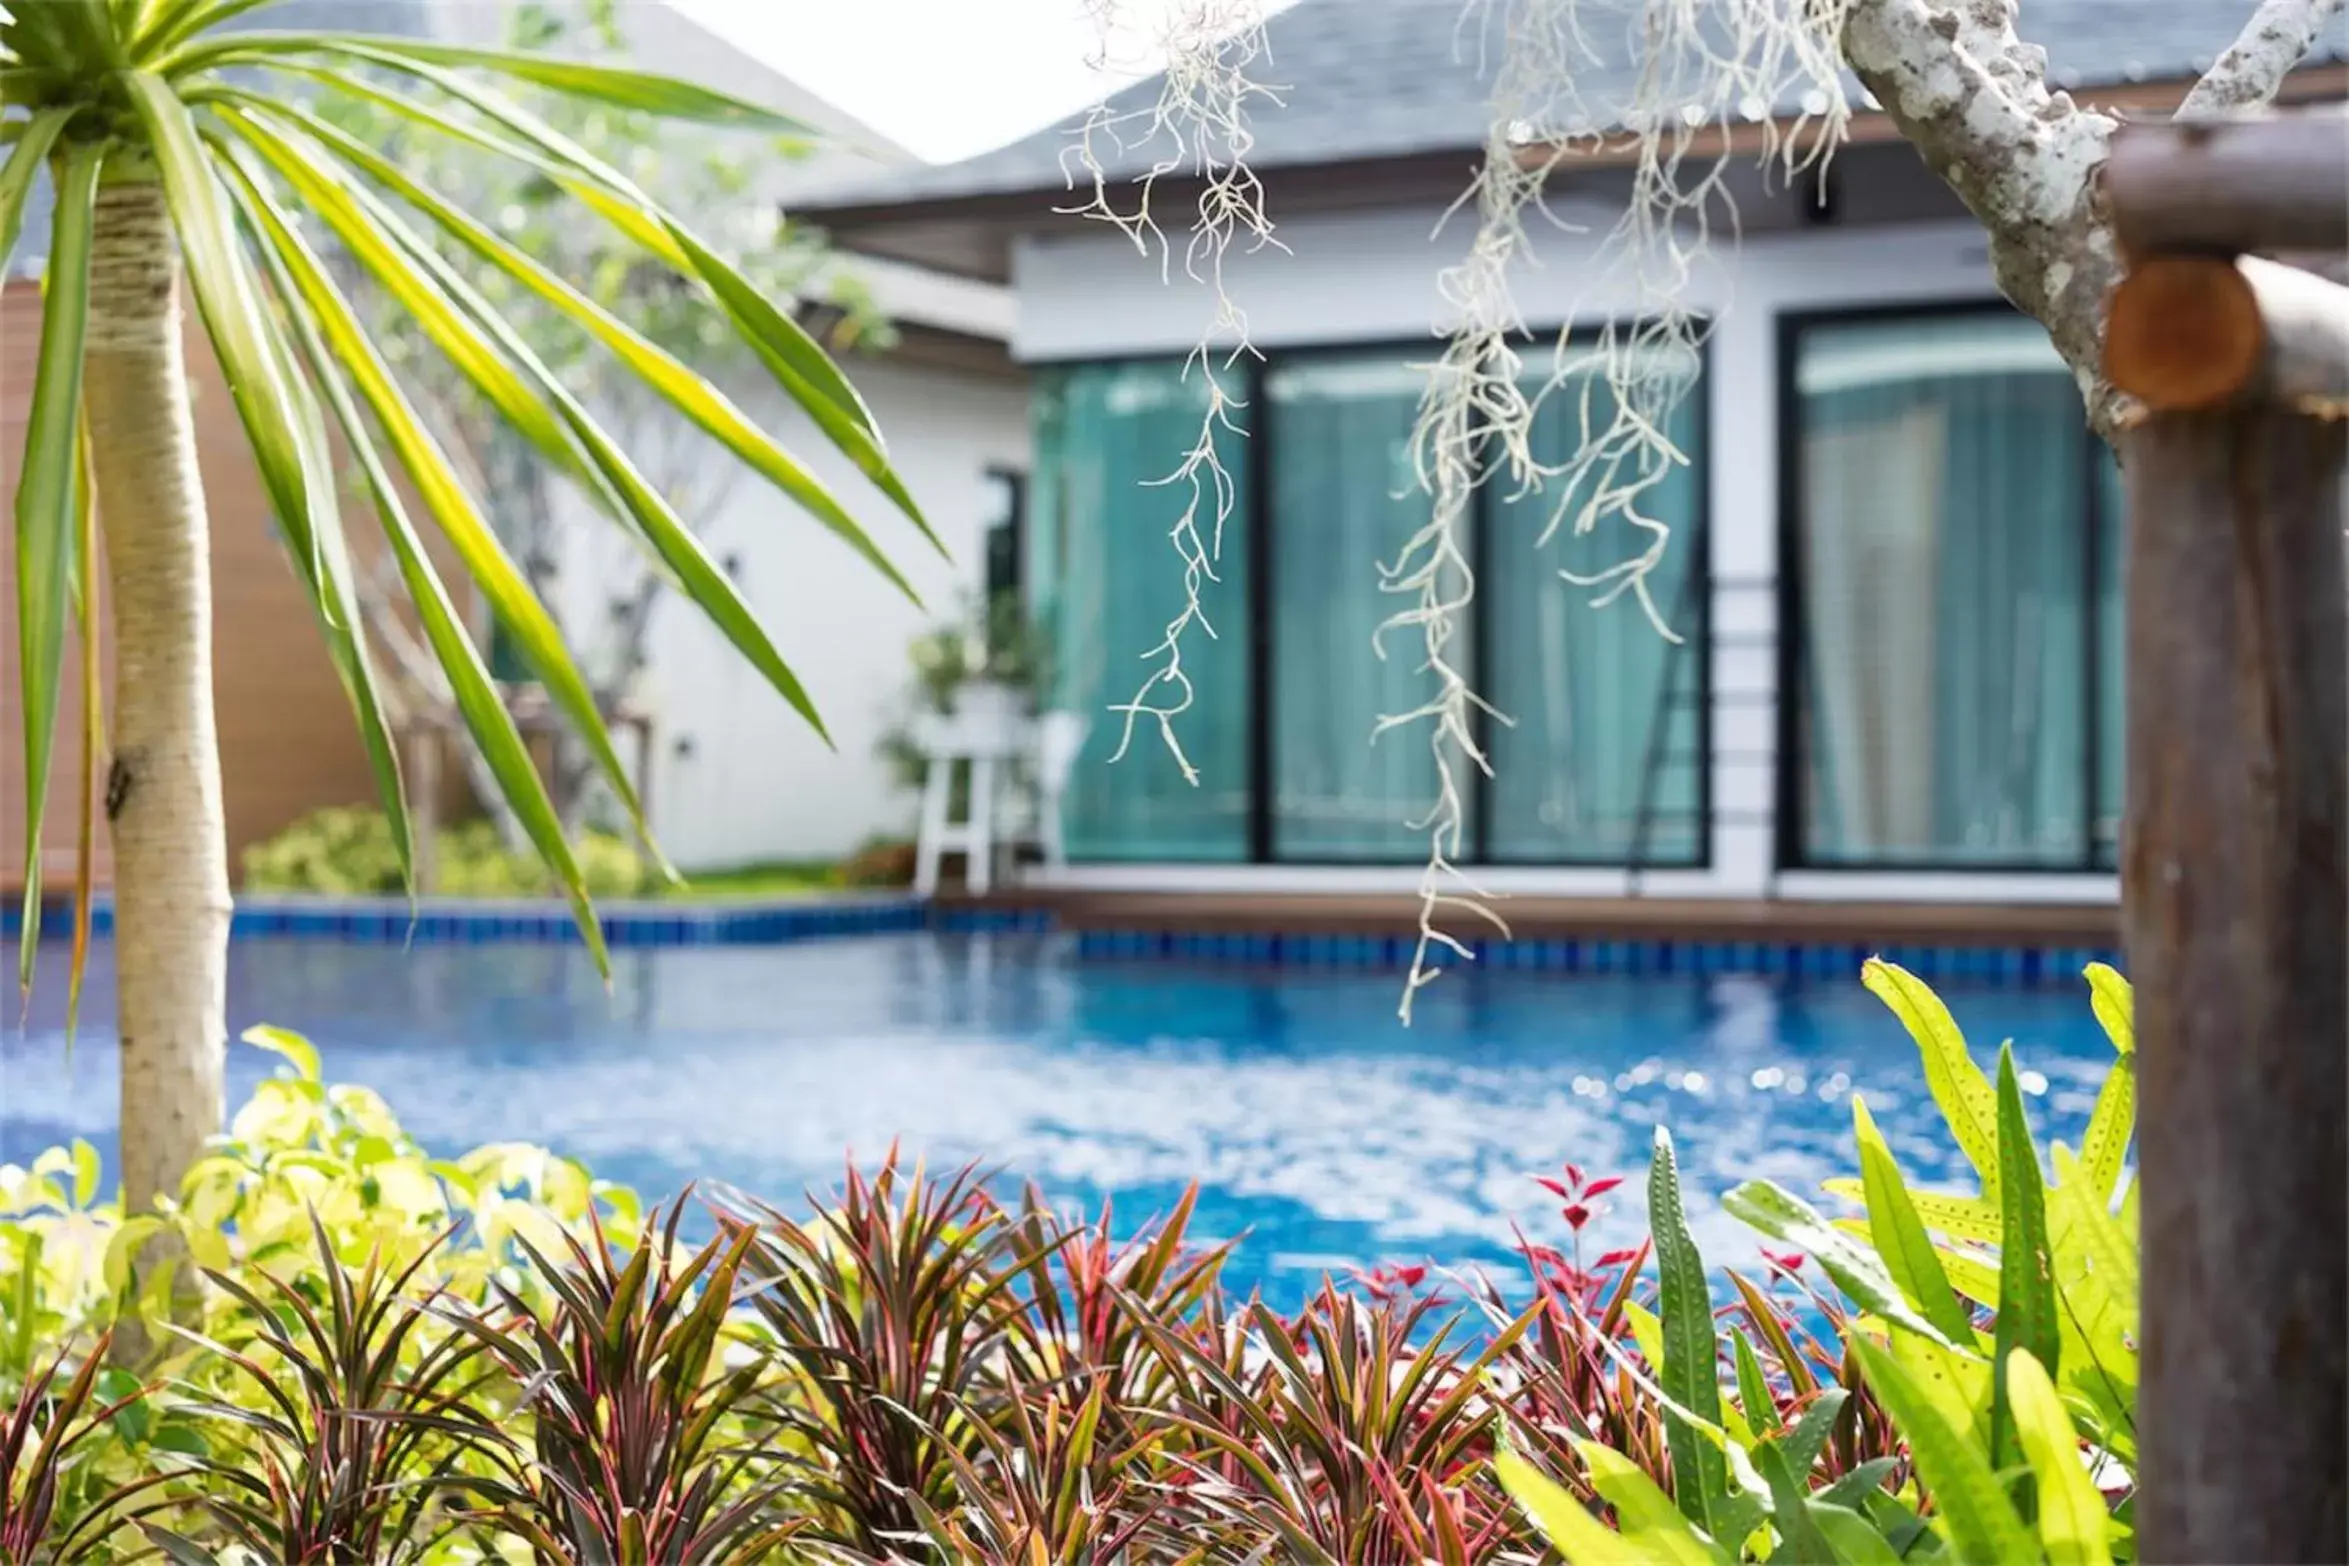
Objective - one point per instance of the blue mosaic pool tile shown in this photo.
(754, 925)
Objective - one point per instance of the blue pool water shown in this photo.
(1319, 1125)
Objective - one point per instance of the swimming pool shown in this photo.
(1315, 1122)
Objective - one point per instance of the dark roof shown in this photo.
(1375, 79)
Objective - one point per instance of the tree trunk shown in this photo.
(171, 898)
(2236, 907)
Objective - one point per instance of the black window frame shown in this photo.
(1258, 537)
(1790, 846)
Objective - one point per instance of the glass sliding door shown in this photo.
(1105, 581)
(1947, 620)
(1605, 762)
(1604, 758)
(1343, 499)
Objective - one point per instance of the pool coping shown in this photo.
(483, 921)
(1274, 942)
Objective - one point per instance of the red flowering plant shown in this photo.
(1579, 1196)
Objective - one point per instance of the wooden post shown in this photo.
(2235, 875)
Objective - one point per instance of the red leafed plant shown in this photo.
(889, 1317)
(345, 1454)
(42, 1437)
(1079, 1328)
(1350, 1432)
(634, 1452)
(1576, 1374)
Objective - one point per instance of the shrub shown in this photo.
(1997, 1337)
(349, 852)
(494, 1357)
(881, 863)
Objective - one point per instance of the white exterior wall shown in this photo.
(737, 776)
(1369, 276)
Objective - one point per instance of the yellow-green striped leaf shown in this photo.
(677, 385)
(297, 477)
(640, 92)
(484, 711)
(176, 21)
(798, 363)
(635, 500)
(1964, 1094)
(85, 603)
(453, 508)
(47, 516)
(25, 160)
(355, 221)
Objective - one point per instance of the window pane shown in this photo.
(1344, 500)
(1603, 759)
(1944, 606)
(1107, 581)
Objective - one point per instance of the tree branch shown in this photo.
(2278, 36)
(1972, 97)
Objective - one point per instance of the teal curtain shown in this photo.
(1946, 606)
(1344, 500)
(1596, 695)
(1105, 582)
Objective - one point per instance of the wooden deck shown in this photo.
(1619, 918)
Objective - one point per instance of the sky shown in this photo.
(948, 79)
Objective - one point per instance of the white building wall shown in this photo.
(737, 776)
(1368, 276)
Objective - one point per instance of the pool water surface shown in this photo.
(1318, 1125)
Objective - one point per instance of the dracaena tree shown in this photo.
(189, 156)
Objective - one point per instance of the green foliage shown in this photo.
(563, 312)
(992, 642)
(494, 1357)
(2007, 1441)
(350, 852)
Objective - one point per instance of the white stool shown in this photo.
(984, 734)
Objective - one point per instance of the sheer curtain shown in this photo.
(1945, 595)
(1343, 501)
(1587, 688)
(1105, 582)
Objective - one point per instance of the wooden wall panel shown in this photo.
(288, 743)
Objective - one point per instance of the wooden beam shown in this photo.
(2191, 332)
(2236, 914)
(2278, 182)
